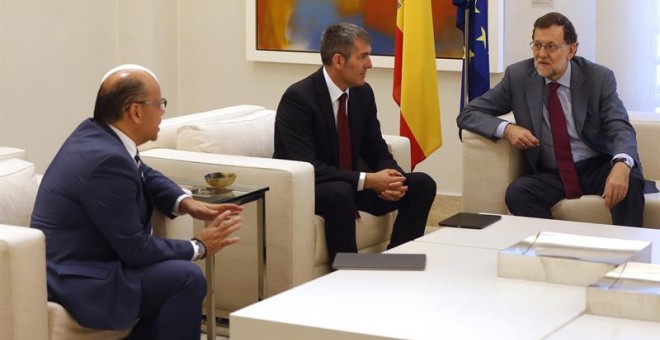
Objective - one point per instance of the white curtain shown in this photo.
(627, 42)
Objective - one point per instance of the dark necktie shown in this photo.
(344, 134)
(562, 145)
(145, 191)
(139, 165)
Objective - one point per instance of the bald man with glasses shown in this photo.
(570, 126)
(94, 206)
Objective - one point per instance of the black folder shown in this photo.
(379, 261)
(470, 220)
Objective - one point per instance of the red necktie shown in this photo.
(562, 145)
(344, 134)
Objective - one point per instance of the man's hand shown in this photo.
(205, 211)
(388, 183)
(519, 137)
(616, 185)
(216, 235)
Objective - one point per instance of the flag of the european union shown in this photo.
(478, 75)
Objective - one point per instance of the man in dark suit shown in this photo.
(94, 206)
(308, 128)
(600, 154)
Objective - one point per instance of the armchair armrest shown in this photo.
(23, 312)
(399, 146)
(488, 169)
(290, 235)
(647, 126)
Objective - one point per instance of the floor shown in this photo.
(443, 207)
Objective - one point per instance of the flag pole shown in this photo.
(466, 60)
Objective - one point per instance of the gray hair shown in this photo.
(339, 38)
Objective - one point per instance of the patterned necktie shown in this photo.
(145, 192)
(138, 161)
(344, 134)
(562, 145)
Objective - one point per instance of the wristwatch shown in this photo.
(622, 159)
(200, 248)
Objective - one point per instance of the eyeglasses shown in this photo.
(550, 48)
(162, 103)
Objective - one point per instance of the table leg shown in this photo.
(261, 246)
(210, 297)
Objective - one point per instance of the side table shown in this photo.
(237, 194)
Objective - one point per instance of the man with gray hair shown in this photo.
(94, 206)
(329, 120)
(570, 125)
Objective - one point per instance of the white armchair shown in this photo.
(240, 139)
(489, 168)
(25, 312)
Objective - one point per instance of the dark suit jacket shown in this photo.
(97, 223)
(305, 130)
(600, 117)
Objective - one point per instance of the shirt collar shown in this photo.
(565, 79)
(333, 89)
(129, 144)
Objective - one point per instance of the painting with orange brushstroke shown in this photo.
(296, 25)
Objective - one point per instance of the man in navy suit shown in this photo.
(94, 206)
(368, 178)
(603, 144)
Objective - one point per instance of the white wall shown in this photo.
(51, 59)
(53, 53)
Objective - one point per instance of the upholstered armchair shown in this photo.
(25, 312)
(489, 167)
(239, 139)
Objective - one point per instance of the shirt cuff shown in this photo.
(363, 176)
(195, 251)
(175, 210)
(499, 133)
(629, 160)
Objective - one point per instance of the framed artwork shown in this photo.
(289, 31)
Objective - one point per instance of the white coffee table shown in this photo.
(458, 295)
(601, 327)
(511, 229)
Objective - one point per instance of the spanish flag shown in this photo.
(415, 87)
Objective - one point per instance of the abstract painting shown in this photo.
(296, 25)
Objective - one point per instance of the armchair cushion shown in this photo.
(167, 136)
(8, 152)
(229, 137)
(19, 186)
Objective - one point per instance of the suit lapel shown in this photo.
(328, 115)
(139, 171)
(578, 96)
(534, 91)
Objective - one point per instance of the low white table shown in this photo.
(601, 327)
(458, 295)
(511, 229)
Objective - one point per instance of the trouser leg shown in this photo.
(171, 306)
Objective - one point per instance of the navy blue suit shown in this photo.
(95, 211)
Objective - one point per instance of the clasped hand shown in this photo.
(388, 183)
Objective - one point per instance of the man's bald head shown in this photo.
(127, 67)
(121, 86)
